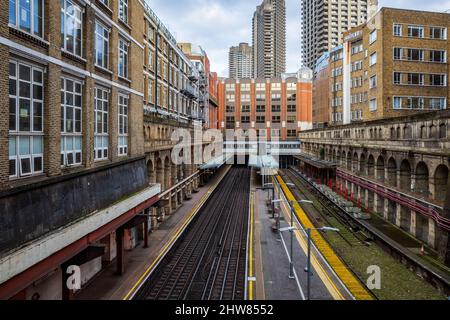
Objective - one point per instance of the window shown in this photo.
(26, 98)
(291, 133)
(438, 103)
(373, 105)
(27, 15)
(276, 86)
(71, 27)
(276, 97)
(231, 97)
(123, 125)
(245, 87)
(230, 87)
(123, 10)
(291, 119)
(397, 30)
(151, 91)
(101, 124)
(415, 79)
(373, 36)
(397, 102)
(101, 45)
(230, 109)
(123, 58)
(438, 56)
(276, 108)
(291, 108)
(245, 119)
(398, 53)
(438, 33)
(373, 81)
(71, 110)
(437, 80)
(415, 54)
(261, 86)
(397, 78)
(415, 103)
(415, 31)
(260, 108)
(260, 119)
(245, 108)
(373, 58)
(276, 119)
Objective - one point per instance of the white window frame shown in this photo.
(397, 27)
(77, 10)
(123, 54)
(123, 11)
(74, 135)
(16, 24)
(123, 111)
(101, 137)
(105, 57)
(374, 54)
(373, 36)
(373, 104)
(421, 32)
(16, 134)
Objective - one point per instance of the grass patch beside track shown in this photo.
(397, 281)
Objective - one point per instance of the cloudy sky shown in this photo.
(218, 24)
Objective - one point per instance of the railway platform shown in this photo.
(271, 276)
(109, 286)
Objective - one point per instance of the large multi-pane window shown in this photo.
(123, 125)
(71, 27)
(26, 98)
(71, 113)
(101, 45)
(27, 15)
(101, 124)
(123, 58)
(123, 10)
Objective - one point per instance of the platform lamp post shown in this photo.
(272, 188)
(291, 230)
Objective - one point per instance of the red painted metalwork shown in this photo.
(411, 203)
(37, 271)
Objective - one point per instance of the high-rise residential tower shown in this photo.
(269, 39)
(240, 61)
(324, 21)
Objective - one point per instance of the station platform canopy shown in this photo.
(317, 163)
(216, 162)
(268, 165)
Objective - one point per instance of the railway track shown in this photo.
(359, 233)
(208, 261)
(324, 213)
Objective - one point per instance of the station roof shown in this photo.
(215, 163)
(320, 164)
(265, 161)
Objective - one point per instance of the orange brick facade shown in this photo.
(276, 108)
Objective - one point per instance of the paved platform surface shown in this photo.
(109, 286)
(272, 255)
(275, 260)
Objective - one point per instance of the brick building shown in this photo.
(278, 107)
(321, 94)
(92, 91)
(396, 64)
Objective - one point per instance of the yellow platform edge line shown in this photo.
(250, 260)
(350, 281)
(191, 214)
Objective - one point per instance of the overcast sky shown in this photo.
(218, 24)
